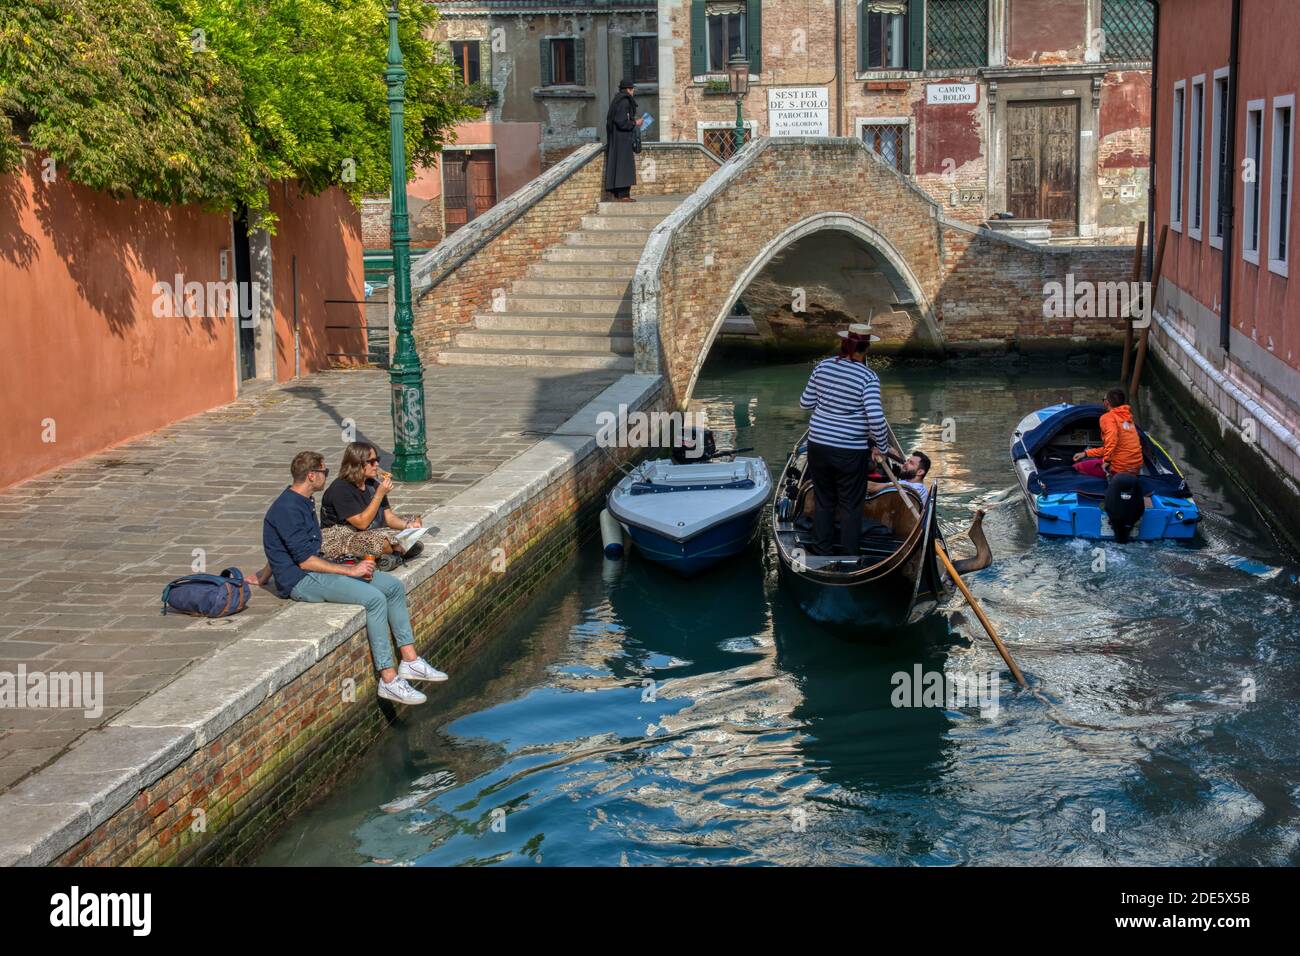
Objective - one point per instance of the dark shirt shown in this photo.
(290, 535)
(343, 500)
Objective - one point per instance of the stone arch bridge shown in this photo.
(657, 279)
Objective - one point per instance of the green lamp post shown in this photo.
(738, 81)
(410, 463)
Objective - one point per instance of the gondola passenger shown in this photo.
(847, 429)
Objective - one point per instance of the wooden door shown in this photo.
(1043, 163)
(469, 182)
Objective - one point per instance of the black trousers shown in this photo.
(839, 477)
(622, 192)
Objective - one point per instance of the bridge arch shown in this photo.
(901, 274)
(973, 289)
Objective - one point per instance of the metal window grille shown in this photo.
(1127, 30)
(889, 141)
(722, 142)
(957, 34)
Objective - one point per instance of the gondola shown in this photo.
(895, 580)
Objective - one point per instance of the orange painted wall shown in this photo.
(81, 343)
(323, 233)
(518, 159)
(1194, 40)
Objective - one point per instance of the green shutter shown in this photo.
(754, 35)
(915, 35)
(580, 61)
(862, 36)
(485, 62)
(544, 58)
(699, 40)
(628, 65)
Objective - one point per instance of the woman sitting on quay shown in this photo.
(355, 516)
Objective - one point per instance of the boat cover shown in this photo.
(1162, 478)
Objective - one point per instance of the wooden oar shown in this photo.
(952, 571)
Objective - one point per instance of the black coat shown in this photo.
(620, 161)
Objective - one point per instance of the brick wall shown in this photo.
(376, 216)
(306, 737)
(498, 247)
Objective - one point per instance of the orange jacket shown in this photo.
(1121, 448)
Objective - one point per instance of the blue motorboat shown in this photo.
(688, 516)
(1067, 504)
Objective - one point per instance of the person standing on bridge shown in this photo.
(846, 431)
(621, 124)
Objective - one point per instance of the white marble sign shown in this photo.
(944, 93)
(799, 111)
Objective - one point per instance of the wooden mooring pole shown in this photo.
(1149, 310)
(1128, 322)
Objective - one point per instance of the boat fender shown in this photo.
(611, 535)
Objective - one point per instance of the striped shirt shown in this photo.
(847, 412)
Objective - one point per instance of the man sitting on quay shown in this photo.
(1121, 448)
(291, 537)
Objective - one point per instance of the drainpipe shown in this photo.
(1151, 170)
(839, 73)
(1226, 187)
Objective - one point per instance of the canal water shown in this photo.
(632, 718)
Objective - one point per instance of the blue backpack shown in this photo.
(208, 595)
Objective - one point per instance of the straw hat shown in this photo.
(859, 332)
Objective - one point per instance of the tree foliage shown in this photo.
(207, 101)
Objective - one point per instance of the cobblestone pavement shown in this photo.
(90, 546)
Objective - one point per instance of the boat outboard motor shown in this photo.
(1124, 505)
(686, 446)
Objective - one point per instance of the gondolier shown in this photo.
(846, 428)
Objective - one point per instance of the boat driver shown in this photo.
(1121, 448)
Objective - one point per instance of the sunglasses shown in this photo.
(323, 472)
(373, 461)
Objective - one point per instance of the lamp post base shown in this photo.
(410, 462)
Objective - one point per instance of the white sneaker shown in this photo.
(419, 669)
(400, 691)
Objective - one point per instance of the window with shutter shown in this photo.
(465, 56)
(956, 34)
(561, 63)
(883, 34)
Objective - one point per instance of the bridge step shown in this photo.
(572, 308)
(595, 254)
(570, 304)
(545, 341)
(551, 322)
(606, 223)
(548, 269)
(608, 237)
(648, 206)
(548, 286)
(606, 360)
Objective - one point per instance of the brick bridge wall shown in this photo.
(458, 278)
(973, 289)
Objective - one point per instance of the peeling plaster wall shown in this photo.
(953, 149)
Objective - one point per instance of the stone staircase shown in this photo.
(573, 307)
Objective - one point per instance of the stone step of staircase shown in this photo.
(573, 306)
(606, 223)
(558, 269)
(552, 322)
(544, 341)
(595, 254)
(585, 286)
(608, 237)
(605, 360)
(659, 206)
(570, 304)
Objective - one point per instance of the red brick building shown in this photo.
(1034, 107)
(1228, 310)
